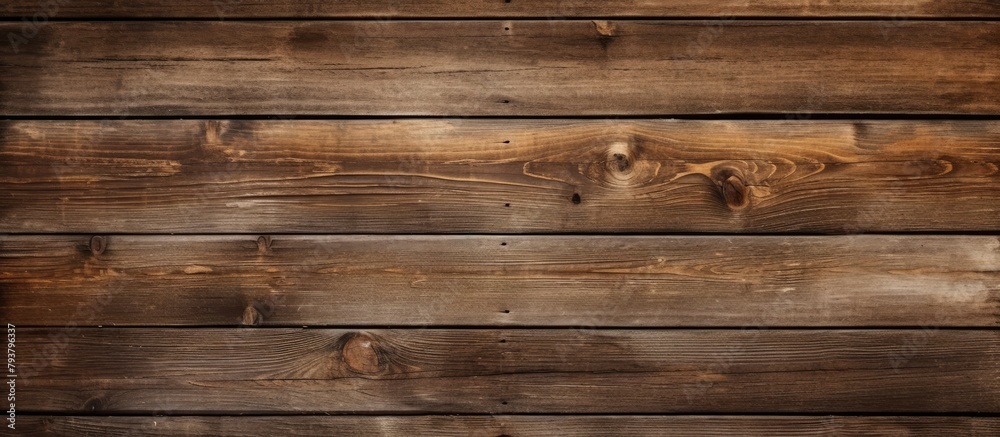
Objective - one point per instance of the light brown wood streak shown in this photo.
(495, 68)
(222, 371)
(584, 281)
(493, 176)
(479, 426)
(236, 9)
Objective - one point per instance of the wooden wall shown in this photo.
(501, 217)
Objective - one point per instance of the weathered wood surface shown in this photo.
(498, 176)
(222, 371)
(237, 9)
(501, 68)
(483, 426)
(569, 281)
(502, 119)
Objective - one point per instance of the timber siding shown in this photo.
(501, 217)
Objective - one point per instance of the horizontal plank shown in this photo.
(236, 9)
(224, 371)
(500, 68)
(498, 176)
(582, 281)
(481, 426)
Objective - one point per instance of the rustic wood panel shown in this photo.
(236, 9)
(183, 371)
(482, 426)
(501, 68)
(503, 280)
(498, 176)
(295, 293)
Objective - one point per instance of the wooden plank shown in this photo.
(493, 176)
(583, 281)
(224, 371)
(492, 426)
(498, 68)
(236, 9)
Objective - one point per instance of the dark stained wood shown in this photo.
(501, 68)
(583, 281)
(483, 426)
(498, 176)
(225, 371)
(236, 9)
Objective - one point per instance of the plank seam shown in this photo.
(695, 117)
(412, 18)
(437, 414)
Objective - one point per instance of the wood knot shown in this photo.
(252, 317)
(213, 131)
(97, 245)
(605, 33)
(94, 404)
(926, 168)
(621, 161)
(735, 192)
(360, 353)
(263, 244)
(604, 28)
(619, 165)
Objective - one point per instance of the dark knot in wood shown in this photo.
(735, 193)
(622, 161)
(94, 404)
(97, 245)
(360, 353)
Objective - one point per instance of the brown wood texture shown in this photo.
(237, 9)
(222, 371)
(480, 426)
(585, 281)
(498, 176)
(500, 218)
(501, 68)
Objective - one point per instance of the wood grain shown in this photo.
(236, 9)
(224, 371)
(482, 426)
(498, 68)
(498, 176)
(584, 281)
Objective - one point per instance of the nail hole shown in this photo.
(506, 311)
(506, 28)
(506, 205)
(577, 199)
(504, 243)
(504, 403)
(506, 142)
(505, 101)
(506, 1)
(503, 340)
